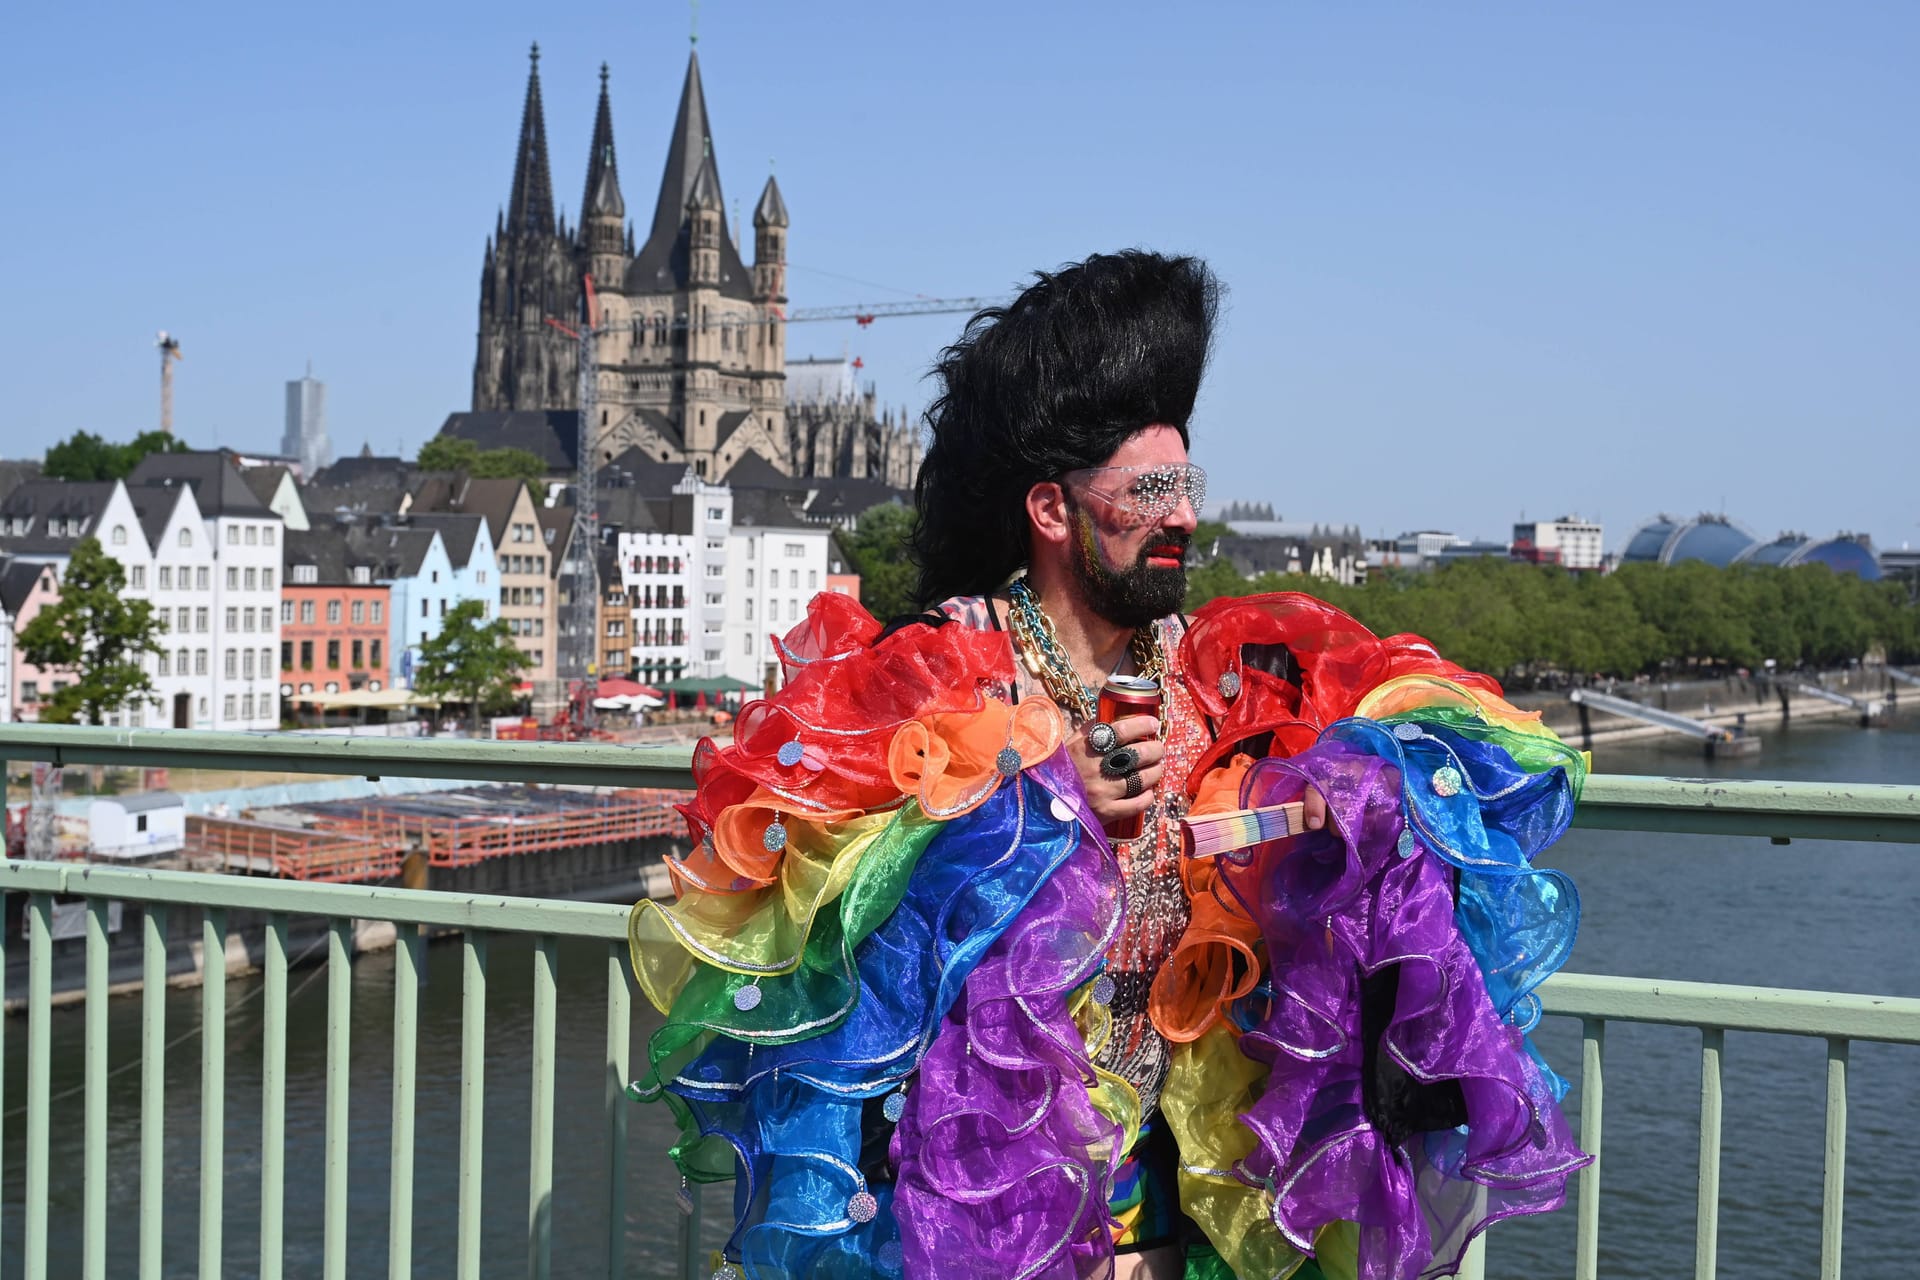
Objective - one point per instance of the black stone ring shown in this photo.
(1134, 785)
(1101, 737)
(1120, 762)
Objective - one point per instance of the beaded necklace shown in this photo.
(1033, 631)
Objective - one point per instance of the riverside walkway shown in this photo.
(1761, 810)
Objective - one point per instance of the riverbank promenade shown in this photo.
(118, 1185)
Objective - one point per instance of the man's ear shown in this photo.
(1047, 512)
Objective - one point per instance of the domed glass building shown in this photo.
(1720, 541)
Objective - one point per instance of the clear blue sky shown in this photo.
(1483, 259)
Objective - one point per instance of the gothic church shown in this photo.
(692, 343)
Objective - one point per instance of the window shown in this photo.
(749, 550)
(423, 609)
(233, 540)
(306, 573)
(616, 627)
(716, 544)
(813, 579)
(266, 577)
(166, 577)
(716, 513)
(181, 666)
(378, 609)
(373, 655)
(266, 662)
(233, 578)
(746, 644)
(246, 706)
(306, 611)
(306, 655)
(246, 664)
(165, 667)
(362, 575)
(233, 619)
(443, 608)
(266, 537)
(716, 570)
(137, 579)
(185, 617)
(749, 611)
(29, 691)
(230, 703)
(202, 576)
(793, 579)
(253, 579)
(286, 655)
(253, 535)
(333, 611)
(200, 667)
(246, 619)
(795, 550)
(232, 663)
(119, 535)
(749, 572)
(333, 655)
(359, 654)
(200, 620)
(434, 575)
(539, 596)
(286, 611)
(359, 610)
(186, 540)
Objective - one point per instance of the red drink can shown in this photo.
(1123, 696)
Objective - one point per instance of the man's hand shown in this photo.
(1108, 796)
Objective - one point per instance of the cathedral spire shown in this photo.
(691, 164)
(603, 197)
(530, 208)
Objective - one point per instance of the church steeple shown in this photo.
(530, 208)
(770, 245)
(603, 197)
(603, 212)
(665, 261)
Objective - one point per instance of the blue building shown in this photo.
(1721, 542)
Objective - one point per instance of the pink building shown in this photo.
(26, 588)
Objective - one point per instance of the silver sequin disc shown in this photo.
(1408, 732)
(1102, 990)
(862, 1206)
(747, 998)
(791, 753)
(727, 1271)
(1446, 781)
(1229, 685)
(889, 1255)
(1405, 846)
(1007, 762)
(775, 837)
(894, 1107)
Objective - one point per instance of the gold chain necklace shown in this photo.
(1047, 658)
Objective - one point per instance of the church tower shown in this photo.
(603, 212)
(528, 275)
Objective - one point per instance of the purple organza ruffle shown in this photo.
(1003, 1162)
(1340, 905)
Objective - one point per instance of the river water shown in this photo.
(1814, 915)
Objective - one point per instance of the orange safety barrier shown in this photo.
(295, 853)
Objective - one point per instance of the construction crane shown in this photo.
(865, 313)
(584, 604)
(169, 352)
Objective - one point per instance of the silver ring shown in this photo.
(1101, 737)
(1120, 762)
(1134, 785)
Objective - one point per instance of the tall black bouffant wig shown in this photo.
(1054, 381)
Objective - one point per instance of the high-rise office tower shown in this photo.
(306, 434)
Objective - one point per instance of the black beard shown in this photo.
(1138, 595)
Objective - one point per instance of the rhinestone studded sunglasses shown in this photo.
(1144, 495)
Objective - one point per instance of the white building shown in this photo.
(778, 563)
(134, 827)
(1570, 542)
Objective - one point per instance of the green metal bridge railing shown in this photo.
(1775, 810)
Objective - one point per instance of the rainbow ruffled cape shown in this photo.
(880, 973)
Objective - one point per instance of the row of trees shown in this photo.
(1536, 622)
(1541, 622)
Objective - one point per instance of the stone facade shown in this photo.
(692, 342)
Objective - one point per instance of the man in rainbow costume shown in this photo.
(932, 1021)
